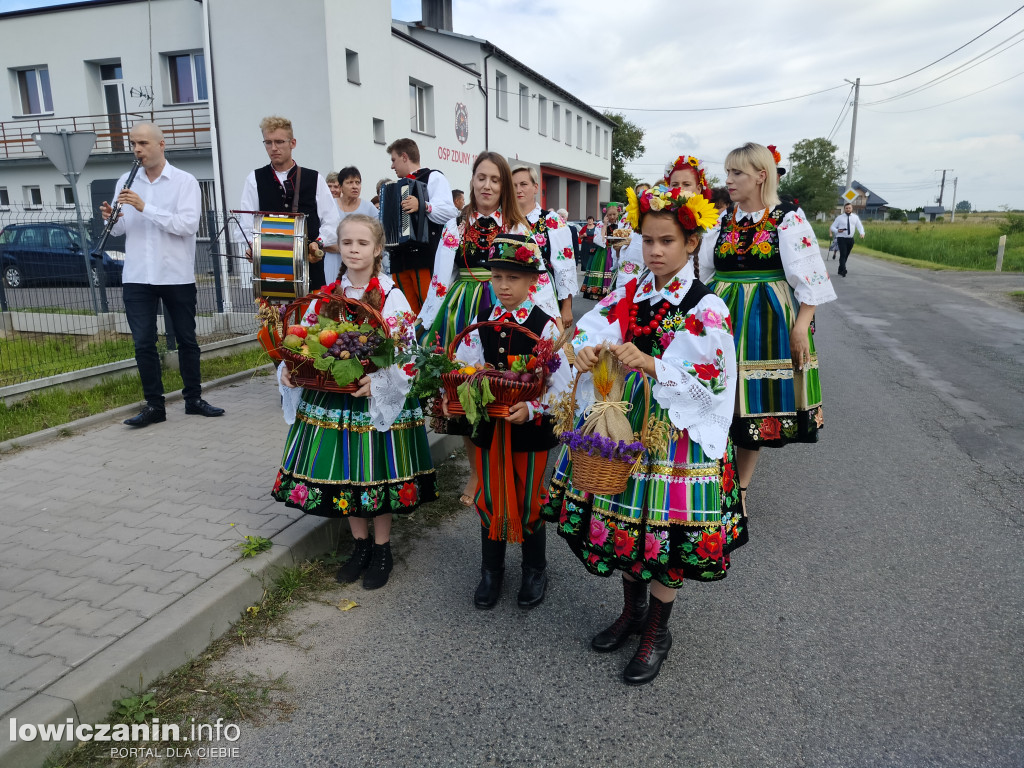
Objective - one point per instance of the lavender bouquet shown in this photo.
(594, 444)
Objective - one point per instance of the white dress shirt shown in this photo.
(845, 224)
(440, 206)
(160, 241)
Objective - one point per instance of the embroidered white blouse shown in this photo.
(446, 272)
(390, 386)
(471, 351)
(563, 260)
(798, 247)
(697, 371)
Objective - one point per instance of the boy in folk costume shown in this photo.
(512, 453)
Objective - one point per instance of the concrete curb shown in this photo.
(45, 435)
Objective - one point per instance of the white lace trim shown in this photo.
(388, 390)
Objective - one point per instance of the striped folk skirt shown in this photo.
(598, 277)
(335, 464)
(510, 496)
(677, 520)
(460, 306)
(776, 404)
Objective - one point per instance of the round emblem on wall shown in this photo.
(461, 123)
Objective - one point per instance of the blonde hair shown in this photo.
(332, 176)
(274, 123)
(757, 157)
(374, 298)
(526, 169)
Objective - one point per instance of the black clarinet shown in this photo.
(115, 211)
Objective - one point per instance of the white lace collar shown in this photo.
(673, 291)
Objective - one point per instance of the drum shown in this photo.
(279, 256)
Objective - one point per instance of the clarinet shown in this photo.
(116, 210)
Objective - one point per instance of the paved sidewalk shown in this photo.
(118, 557)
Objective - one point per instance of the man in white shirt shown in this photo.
(159, 219)
(842, 230)
(273, 188)
(554, 238)
(412, 264)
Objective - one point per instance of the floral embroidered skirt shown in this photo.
(460, 306)
(598, 276)
(692, 521)
(336, 464)
(776, 404)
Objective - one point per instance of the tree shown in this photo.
(815, 175)
(897, 214)
(964, 206)
(627, 144)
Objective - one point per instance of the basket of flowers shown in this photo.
(332, 355)
(473, 392)
(604, 449)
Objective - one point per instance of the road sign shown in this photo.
(72, 160)
(850, 195)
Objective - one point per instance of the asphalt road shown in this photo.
(874, 619)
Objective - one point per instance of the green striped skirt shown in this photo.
(460, 306)
(335, 464)
(677, 520)
(597, 276)
(776, 404)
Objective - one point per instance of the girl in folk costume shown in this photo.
(681, 517)
(599, 274)
(460, 287)
(512, 453)
(763, 261)
(363, 455)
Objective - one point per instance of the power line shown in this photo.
(944, 103)
(842, 116)
(942, 58)
(719, 109)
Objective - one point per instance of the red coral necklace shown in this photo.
(646, 329)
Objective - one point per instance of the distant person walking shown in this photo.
(842, 230)
(159, 219)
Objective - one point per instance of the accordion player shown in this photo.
(402, 228)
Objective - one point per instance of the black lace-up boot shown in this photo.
(630, 622)
(379, 570)
(492, 572)
(356, 564)
(655, 643)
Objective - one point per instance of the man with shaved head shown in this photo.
(159, 219)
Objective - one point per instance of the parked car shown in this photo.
(52, 253)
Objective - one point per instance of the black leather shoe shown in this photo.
(655, 643)
(535, 584)
(630, 622)
(357, 563)
(379, 570)
(489, 589)
(148, 415)
(199, 407)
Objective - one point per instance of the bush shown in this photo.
(897, 214)
(1013, 225)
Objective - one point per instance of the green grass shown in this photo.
(959, 245)
(57, 311)
(37, 355)
(58, 406)
(1017, 297)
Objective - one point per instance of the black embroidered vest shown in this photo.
(736, 249)
(276, 198)
(647, 308)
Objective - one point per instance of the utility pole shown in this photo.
(952, 217)
(853, 132)
(942, 184)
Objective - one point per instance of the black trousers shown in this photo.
(140, 306)
(534, 550)
(845, 246)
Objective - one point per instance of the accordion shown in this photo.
(401, 227)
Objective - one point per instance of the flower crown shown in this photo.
(693, 211)
(687, 161)
(775, 153)
(515, 252)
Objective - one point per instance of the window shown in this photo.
(597, 139)
(542, 115)
(65, 197)
(556, 121)
(568, 128)
(378, 131)
(501, 95)
(34, 86)
(579, 132)
(5, 198)
(590, 136)
(33, 197)
(188, 77)
(607, 144)
(524, 106)
(352, 66)
(421, 107)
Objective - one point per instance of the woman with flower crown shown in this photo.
(679, 516)
(764, 262)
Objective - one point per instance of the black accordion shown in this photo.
(401, 227)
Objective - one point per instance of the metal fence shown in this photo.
(58, 315)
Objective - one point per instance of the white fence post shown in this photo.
(999, 253)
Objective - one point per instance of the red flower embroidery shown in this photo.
(706, 371)
(567, 252)
(693, 325)
(277, 484)
(806, 241)
(523, 253)
(409, 369)
(623, 543)
(771, 428)
(552, 222)
(710, 546)
(676, 574)
(728, 478)
(407, 494)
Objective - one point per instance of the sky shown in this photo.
(964, 113)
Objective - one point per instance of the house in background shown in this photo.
(867, 204)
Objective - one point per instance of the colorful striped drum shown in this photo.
(279, 256)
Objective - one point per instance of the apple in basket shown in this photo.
(328, 337)
(292, 341)
(297, 330)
